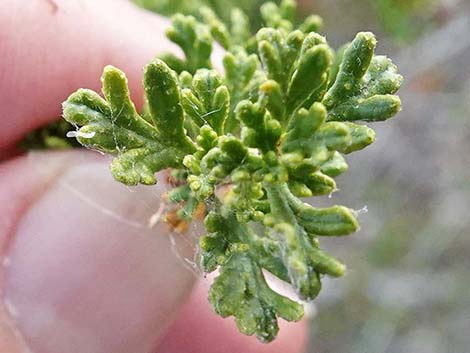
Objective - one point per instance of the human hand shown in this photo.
(80, 270)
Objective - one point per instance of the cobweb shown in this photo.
(152, 206)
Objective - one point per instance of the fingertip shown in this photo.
(82, 267)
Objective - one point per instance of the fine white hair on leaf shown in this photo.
(330, 195)
(360, 211)
(85, 135)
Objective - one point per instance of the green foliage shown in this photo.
(272, 130)
(51, 136)
(223, 9)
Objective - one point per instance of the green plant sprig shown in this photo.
(274, 128)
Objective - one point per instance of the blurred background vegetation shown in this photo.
(408, 285)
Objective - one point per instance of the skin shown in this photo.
(81, 269)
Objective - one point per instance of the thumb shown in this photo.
(81, 269)
(80, 272)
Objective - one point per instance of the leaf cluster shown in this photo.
(272, 129)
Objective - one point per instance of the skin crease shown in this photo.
(80, 269)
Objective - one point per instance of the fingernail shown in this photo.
(85, 273)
